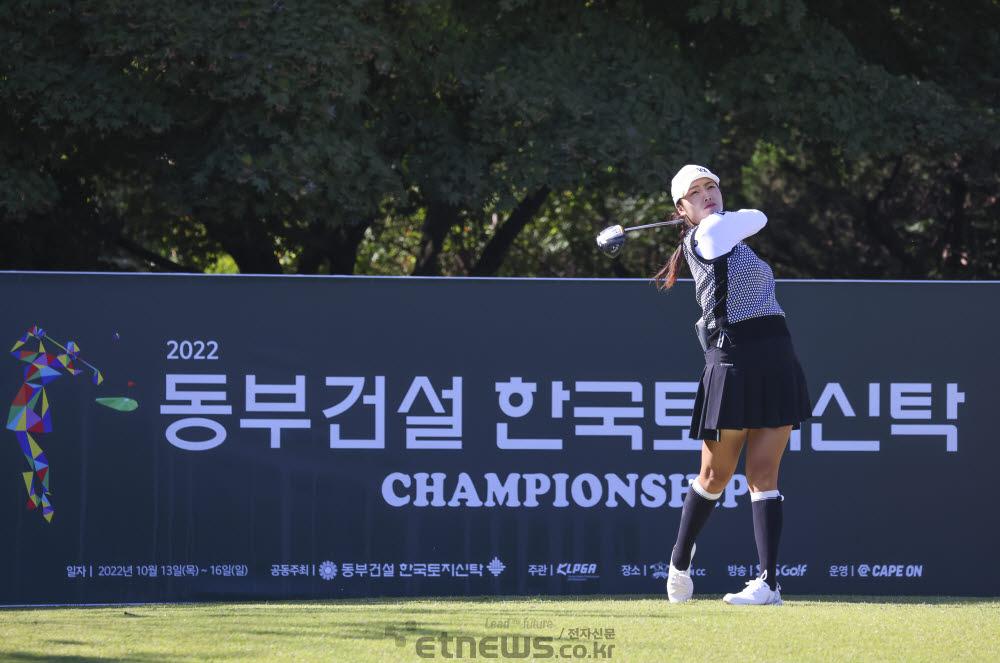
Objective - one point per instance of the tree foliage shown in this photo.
(497, 138)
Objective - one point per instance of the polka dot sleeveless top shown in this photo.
(734, 287)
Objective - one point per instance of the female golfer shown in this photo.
(752, 389)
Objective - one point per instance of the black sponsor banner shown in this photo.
(195, 437)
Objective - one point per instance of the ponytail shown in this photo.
(667, 275)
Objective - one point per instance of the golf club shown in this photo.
(612, 239)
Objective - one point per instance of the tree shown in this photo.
(871, 134)
(506, 105)
(222, 128)
(437, 137)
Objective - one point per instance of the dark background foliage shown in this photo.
(494, 138)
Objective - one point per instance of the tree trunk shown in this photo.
(439, 220)
(495, 252)
(878, 224)
(343, 250)
(248, 242)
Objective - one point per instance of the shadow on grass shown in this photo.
(32, 657)
(404, 620)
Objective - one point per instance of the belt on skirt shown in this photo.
(752, 329)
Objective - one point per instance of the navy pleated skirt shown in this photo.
(752, 379)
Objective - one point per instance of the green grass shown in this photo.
(815, 628)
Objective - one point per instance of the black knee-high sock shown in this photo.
(767, 531)
(694, 515)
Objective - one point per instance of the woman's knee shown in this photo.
(759, 482)
(719, 459)
(762, 473)
(714, 480)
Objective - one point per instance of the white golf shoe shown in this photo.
(756, 593)
(680, 587)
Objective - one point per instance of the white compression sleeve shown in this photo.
(717, 234)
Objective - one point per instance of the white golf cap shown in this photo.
(685, 176)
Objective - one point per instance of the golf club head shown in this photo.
(611, 240)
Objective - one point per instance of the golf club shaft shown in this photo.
(653, 225)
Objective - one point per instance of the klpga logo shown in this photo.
(577, 571)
